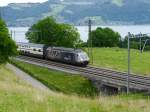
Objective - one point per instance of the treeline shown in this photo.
(50, 32)
(106, 37)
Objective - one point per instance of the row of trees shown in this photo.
(106, 37)
(7, 45)
(48, 31)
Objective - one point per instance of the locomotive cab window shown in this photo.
(34, 49)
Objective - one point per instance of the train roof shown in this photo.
(67, 49)
(31, 44)
(49, 47)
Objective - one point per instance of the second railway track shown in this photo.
(99, 74)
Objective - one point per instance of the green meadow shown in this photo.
(117, 58)
(17, 96)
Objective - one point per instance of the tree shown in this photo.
(105, 37)
(48, 31)
(7, 45)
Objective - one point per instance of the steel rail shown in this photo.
(119, 73)
(99, 73)
(81, 69)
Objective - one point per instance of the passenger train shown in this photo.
(59, 54)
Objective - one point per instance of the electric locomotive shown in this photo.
(59, 54)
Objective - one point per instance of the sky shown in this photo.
(6, 2)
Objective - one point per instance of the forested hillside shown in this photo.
(77, 12)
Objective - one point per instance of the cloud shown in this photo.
(6, 2)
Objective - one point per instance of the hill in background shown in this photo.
(104, 12)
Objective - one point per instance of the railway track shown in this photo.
(110, 77)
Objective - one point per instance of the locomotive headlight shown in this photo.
(81, 59)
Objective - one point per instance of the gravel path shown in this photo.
(24, 76)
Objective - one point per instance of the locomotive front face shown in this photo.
(82, 58)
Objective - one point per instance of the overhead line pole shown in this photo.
(145, 44)
(90, 49)
(128, 75)
(140, 42)
(140, 47)
(89, 38)
(0, 12)
(14, 35)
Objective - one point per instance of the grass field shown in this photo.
(116, 58)
(59, 81)
(17, 96)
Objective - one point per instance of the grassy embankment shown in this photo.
(59, 81)
(17, 96)
(116, 58)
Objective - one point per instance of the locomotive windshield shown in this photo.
(83, 56)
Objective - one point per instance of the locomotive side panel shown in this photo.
(53, 54)
(60, 55)
(68, 57)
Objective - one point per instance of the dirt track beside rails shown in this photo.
(27, 78)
